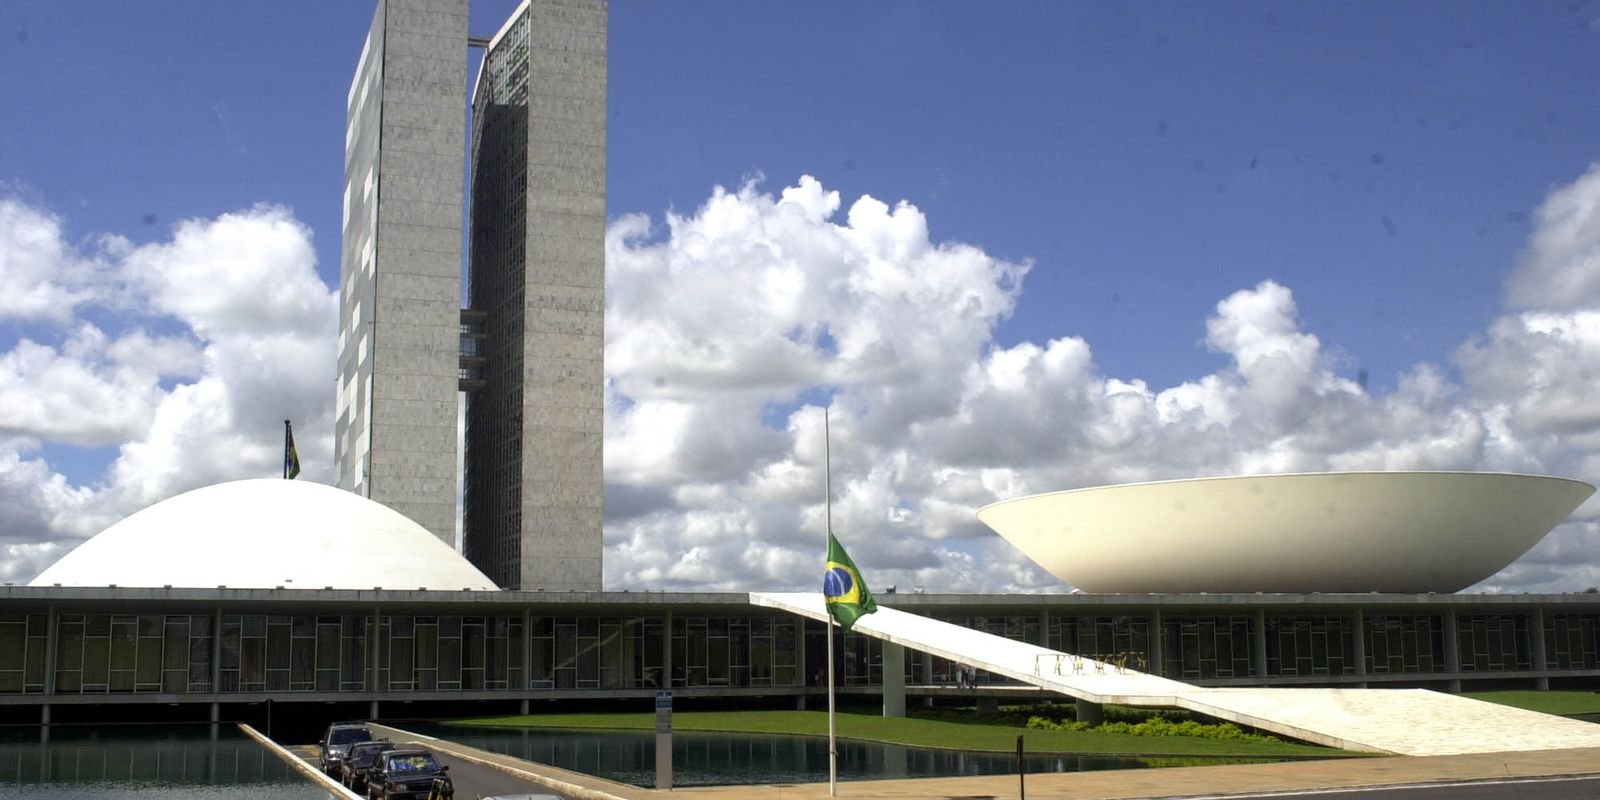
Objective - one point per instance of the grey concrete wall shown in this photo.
(415, 278)
(564, 336)
(357, 262)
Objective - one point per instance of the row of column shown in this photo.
(893, 654)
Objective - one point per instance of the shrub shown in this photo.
(1154, 726)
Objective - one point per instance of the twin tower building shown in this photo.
(522, 338)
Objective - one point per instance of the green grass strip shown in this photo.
(1546, 702)
(974, 736)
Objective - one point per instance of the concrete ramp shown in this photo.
(1399, 721)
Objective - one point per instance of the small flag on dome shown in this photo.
(291, 459)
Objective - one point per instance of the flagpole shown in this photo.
(286, 441)
(827, 505)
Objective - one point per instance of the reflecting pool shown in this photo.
(716, 759)
(147, 762)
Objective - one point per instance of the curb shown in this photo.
(554, 784)
(337, 788)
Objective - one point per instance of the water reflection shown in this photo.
(140, 761)
(713, 759)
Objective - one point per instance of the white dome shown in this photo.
(1327, 532)
(266, 533)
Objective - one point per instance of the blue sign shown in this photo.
(663, 701)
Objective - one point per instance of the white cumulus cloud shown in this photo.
(182, 356)
(729, 328)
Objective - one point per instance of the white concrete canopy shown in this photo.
(1410, 532)
(266, 533)
(1401, 721)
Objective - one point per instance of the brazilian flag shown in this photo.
(291, 456)
(842, 587)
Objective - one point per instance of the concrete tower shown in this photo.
(537, 299)
(400, 274)
(528, 350)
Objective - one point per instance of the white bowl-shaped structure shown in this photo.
(1327, 532)
(267, 533)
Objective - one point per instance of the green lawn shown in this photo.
(912, 731)
(1547, 702)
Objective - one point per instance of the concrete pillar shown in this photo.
(1358, 645)
(666, 648)
(1044, 628)
(1092, 713)
(52, 638)
(372, 657)
(925, 677)
(216, 724)
(216, 649)
(1258, 646)
(372, 710)
(44, 715)
(1540, 665)
(799, 651)
(527, 651)
(894, 680)
(523, 709)
(1157, 648)
(1452, 649)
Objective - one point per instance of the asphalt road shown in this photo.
(1585, 788)
(472, 781)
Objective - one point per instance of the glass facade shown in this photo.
(448, 653)
(1494, 642)
(1311, 645)
(737, 651)
(228, 653)
(1570, 641)
(858, 659)
(133, 653)
(23, 639)
(1409, 644)
(403, 652)
(1104, 639)
(496, 284)
(284, 653)
(1203, 647)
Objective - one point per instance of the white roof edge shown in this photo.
(494, 41)
(506, 26)
(1270, 475)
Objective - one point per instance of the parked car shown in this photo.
(357, 764)
(336, 742)
(409, 772)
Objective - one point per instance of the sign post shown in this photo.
(663, 740)
(1022, 772)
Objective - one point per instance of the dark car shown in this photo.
(409, 772)
(359, 762)
(336, 742)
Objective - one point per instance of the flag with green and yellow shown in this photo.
(847, 596)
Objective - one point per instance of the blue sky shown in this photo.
(1149, 159)
(1382, 161)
